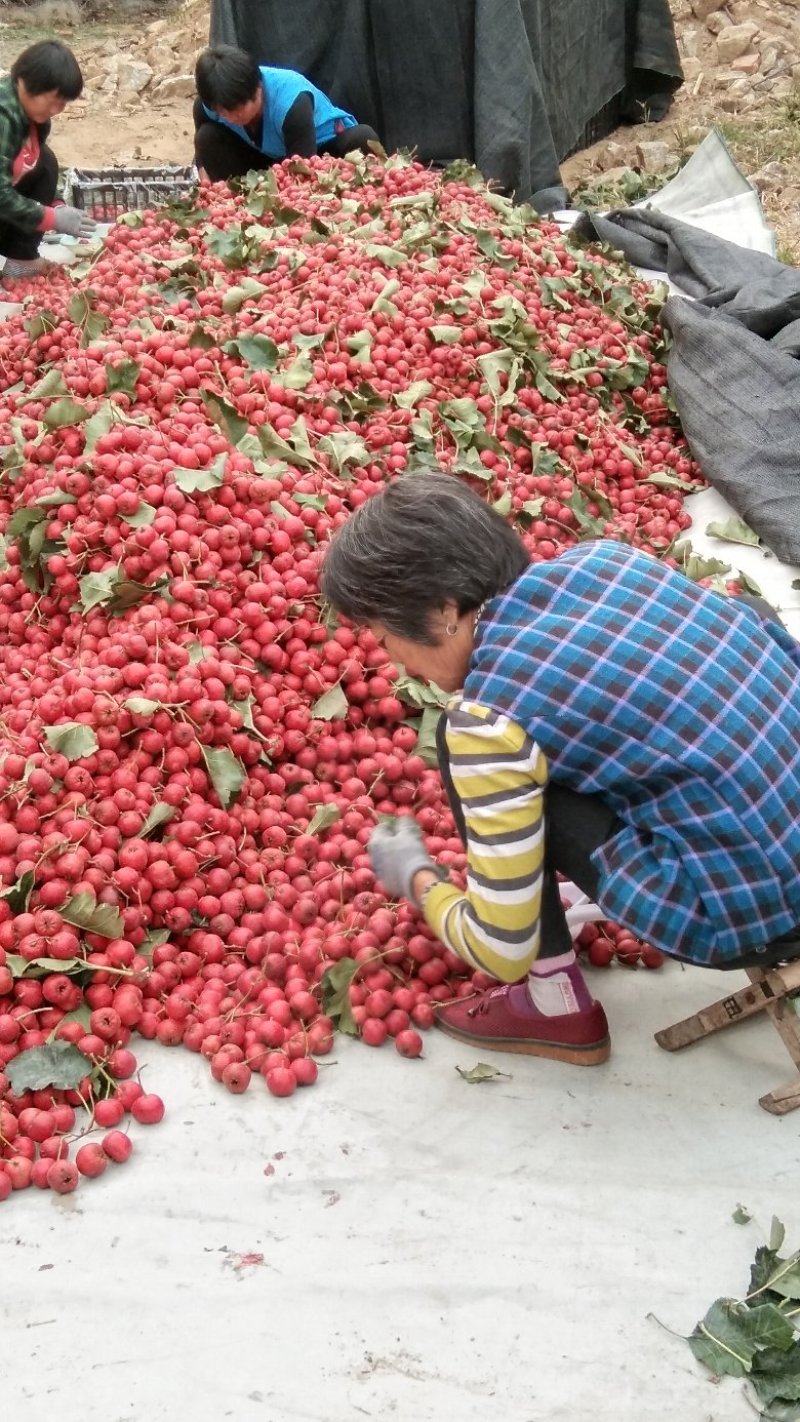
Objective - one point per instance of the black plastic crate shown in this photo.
(105, 193)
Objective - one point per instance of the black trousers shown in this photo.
(40, 185)
(575, 826)
(223, 154)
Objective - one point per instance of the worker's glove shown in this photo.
(397, 854)
(73, 223)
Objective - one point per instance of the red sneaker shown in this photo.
(505, 1018)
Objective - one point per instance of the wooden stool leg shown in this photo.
(782, 1101)
(787, 1023)
(768, 992)
(747, 1002)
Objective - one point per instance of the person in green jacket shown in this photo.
(42, 81)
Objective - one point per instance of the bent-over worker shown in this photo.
(249, 116)
(614, 723)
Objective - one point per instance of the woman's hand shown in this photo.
(398, 855)
(74, 223)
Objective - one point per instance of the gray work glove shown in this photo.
(397, 854)
(74, 223)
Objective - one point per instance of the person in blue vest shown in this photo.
(249, 116)
(612, 722)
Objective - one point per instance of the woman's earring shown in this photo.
(451, 629)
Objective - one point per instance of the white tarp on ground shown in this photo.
(397, 1245)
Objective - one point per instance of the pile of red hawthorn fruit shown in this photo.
(192, 751)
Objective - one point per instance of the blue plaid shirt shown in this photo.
(681, 708)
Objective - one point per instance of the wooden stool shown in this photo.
(768, 992)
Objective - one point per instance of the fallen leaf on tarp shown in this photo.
(734, 531)
(482, 1071)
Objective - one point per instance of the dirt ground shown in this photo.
(104, 129)
(753, 100)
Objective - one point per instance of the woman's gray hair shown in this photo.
(425, 540)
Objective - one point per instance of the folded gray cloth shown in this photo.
(733, 368)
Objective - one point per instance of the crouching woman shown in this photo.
(42, 81)
(249, 116)
(612, 722)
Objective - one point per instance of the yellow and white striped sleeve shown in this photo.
(499, 774)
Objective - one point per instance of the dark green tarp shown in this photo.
(508, 84)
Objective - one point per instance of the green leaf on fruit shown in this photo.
(40, 967)
(72, 739)
(749, 584)
(662, 480)
(122, 377)
(98, 425)
(81, 1014)
(426, 736)
(498, 363)
(421, 694)
(158, 816)
(202, 481)
(226, 773)
(201, 339)
(297, 375)
(83, 313)
(236, 296)
(142, 705)
(19, 893)
(56, 500)
(489, 247)
(408, 399)
(41, 324)
(364, 400)
(331, 706)
(65, 412)
(481, 1072)
(311, 501)
(695, 566)
(734, 531)
(51, 385)
(445, 335)
(233, 426)
(336, 995)
(58, 1064)
(503, 505)
(83, 911)
(360, 346)
(259, 352)
(273, 446)
(324, 816)
(531, 510)
(142, 517)
(24, 519)
(590, 527)
(97, 589)
(344, 448)
(114, 592)
(383, 302)
(154, 940)
(388, 256)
